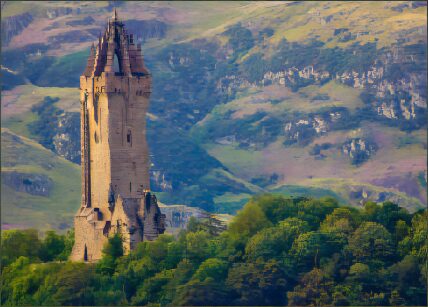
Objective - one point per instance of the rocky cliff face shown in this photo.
(53, 13)
(358, 150)
(395, 82)
(34, 184)
(66, 141)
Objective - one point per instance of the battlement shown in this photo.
(109, 82)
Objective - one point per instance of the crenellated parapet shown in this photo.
(109, 82)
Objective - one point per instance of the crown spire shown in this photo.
(116, 42)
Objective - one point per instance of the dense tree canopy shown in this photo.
(276, 251)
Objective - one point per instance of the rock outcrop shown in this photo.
(66, 141)
(34, 184)
(358, 150)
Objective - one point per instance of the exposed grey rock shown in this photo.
(34, 184)
(359, 150)
(66, 141)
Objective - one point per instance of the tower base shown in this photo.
(135, 219)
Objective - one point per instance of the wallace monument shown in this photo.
(114, 91)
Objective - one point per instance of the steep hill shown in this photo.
(314, 98)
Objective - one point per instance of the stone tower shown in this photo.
(114, 91)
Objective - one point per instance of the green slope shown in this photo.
(21, 209)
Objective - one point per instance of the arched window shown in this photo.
(116, 64)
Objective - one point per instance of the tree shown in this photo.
(401, 230)
(247, 223)
(314, 211)
(408, 281)
(278, 207)
(112, 250)
(198, 247)
(212, 268)
(68, 245)
(417, 241)
(310, 247)
(386, 214)
(67, 286)
(333, 259)
(241, 39)
(274, 242)
(52, 246)
(359, 272)
(202, 293)
(258, 283)
(371, 241)
(16, 243)
(390, 213)
(341, 221)
(315, 289)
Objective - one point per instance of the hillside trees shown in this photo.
(276, 251)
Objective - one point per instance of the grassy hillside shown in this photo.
(21, 209)
(394, 168)
(220, 127)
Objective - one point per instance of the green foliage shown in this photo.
(314, 289)
(371, 241)
(17, 243)
(212, 268)
(276, 251)
(240, 38)
(45, 125)
(26, 243)
(260, 283)
(112, 250)
(198, 293)
(53, 245)
(254, 67)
